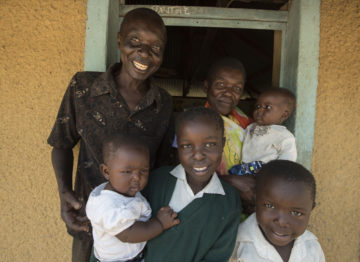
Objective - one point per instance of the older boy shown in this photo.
(95, 104)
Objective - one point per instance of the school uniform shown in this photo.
(208, 220)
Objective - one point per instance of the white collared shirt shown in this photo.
(183, 195)
(251, 246)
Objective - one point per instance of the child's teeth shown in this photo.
(140, 66)
(199, 169)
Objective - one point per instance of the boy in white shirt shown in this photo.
(119, 214)
(285, 197)
(266, 139)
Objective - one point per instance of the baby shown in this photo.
(118, 213)
(285, 197)
(266, 139)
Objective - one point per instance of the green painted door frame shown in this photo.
(299, 47)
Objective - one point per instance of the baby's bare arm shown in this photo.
(144, 231)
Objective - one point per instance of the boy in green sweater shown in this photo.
(208, 208)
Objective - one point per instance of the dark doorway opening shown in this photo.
(190, 51)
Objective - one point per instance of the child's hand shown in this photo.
(167, 217)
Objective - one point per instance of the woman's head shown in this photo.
(224, 85)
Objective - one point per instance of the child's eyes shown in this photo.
(185, 146)
(296, 213)
(125, 171)
(144, 171)
(210, 144)
(269, 205)
(267, 106)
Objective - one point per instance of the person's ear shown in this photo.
(223, 142)
(206, 86)
(285, 115)
(118, 39)
(104, 171)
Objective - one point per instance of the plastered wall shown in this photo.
(42, 45)
(336, 164)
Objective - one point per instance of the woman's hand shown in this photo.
(245, 185)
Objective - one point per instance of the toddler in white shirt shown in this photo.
(285, 197)
(266, 139)
(119, 214)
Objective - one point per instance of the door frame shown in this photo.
(298, 28)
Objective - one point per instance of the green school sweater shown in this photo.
(208, 225)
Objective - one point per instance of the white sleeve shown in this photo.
(117, 220)
(288, 149)
(316, 251)
(321, 256)
(113, 218)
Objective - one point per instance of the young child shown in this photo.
(208, 208)
(118, 213)
(285, 197)
(266, 139)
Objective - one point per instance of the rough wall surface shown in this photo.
(336, 164)
(41, 47)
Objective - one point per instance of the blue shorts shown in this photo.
(250, 168)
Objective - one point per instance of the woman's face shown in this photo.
(225, 90)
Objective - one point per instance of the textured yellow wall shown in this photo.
(41, 46)
(336, 164)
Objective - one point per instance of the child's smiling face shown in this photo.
(283, 210)
(200, 146)
(127, 170)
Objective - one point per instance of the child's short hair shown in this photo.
(229, 62)
(200, 112)
(115, 141)
(289, 96)
(150, 16)
(288, 171)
